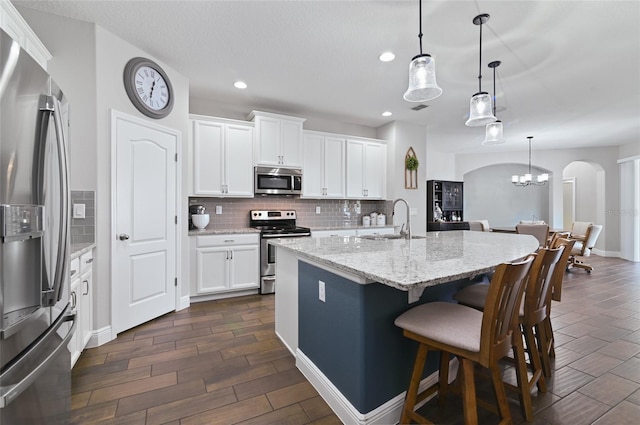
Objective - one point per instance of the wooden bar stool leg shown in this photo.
(416, 376)
(522, 376)
(501, 395)
(469, 393)
(546, 347)
(534, 357)
(443, 378)
(550, 342)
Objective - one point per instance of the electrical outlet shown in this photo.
(318, 209)
(413, 211)
(321, 293)
(78, 210)
(218, 209)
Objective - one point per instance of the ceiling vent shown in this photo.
(419, 107)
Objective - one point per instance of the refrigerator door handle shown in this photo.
(10, 392)
(61, 265)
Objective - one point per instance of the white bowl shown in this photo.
(200, 220)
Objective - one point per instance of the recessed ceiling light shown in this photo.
(387, 57)
(387, 114)
(240, 85)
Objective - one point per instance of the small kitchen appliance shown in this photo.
(273, 224)
(197, 210)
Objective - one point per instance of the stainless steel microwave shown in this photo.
(278, 181)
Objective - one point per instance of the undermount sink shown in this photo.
(389, 236)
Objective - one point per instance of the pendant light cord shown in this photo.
(480, 62)
(420, 22)
(529, 153)
(494, 92)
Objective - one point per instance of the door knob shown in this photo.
(123, 237)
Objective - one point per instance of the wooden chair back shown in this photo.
(539, 231)
(558, 235)
(539, 287)
(558, 273)
(501, 310)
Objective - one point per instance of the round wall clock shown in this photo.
(148, 87)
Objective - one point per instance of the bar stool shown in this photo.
(533, 314)
(473, 336)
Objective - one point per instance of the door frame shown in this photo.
(115, 117)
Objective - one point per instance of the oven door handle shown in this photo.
(284, 235)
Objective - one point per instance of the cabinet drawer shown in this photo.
(227, 240)
(85, 260)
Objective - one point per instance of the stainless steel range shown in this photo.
(273, 224)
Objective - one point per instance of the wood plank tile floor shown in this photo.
(220, 362)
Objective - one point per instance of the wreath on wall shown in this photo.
(411, 165)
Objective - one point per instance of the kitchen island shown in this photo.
(337, 298)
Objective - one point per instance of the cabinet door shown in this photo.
(312, 183)
(212, 269)
(291, 133)
(452, 195)
(374, 170)
(239, 160)
(268, 147)
(74, 344)
(334, 167)
(208, 158)
(355, 169)
(244, 264)
(84, 295)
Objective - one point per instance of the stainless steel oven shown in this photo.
(273, 224)
(277, 181)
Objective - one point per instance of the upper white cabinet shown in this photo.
(222, 158)
(366, 169)
(278, 139)
(323, 166)
(14, 24)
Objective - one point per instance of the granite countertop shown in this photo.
(359, 227)
(434, 258)
(77, 249)
(204, 232)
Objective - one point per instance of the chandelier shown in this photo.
(528, 179)
(422, 74)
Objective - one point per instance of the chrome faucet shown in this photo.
(406, 233)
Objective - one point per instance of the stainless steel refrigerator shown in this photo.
(37, 318)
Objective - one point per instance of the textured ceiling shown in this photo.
(570, 73)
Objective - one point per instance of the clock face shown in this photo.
(148, 87)
(151, 88)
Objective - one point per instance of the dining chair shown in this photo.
(479, 225)
(474, 337)
(583, 246)
(533, 313)
(539, 231)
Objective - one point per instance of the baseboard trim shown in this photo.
(100, 336)
(387, 413)
(185, 302)
(604, 253)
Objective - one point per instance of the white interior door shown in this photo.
(144, 244)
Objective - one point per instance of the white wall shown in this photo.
(88, 64)
(555, 161)
(585, 176)
(401, 136)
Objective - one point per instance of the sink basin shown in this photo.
(389, 236)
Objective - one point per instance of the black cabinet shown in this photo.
(446, 195)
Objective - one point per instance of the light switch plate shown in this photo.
(218, 209)
(318, 209)
(413, 211)
(321, 292)
(79, 210)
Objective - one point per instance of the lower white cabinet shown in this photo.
(225, 263)
(81, 300)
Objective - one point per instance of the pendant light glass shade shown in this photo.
(493, 134)
(480, 110)
(528, 179)
(422, 79)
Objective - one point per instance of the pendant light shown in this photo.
(493, 133)
(480, 104)
(527, 179)
(422, 74)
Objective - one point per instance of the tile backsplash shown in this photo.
(83, 230)
(333, 213)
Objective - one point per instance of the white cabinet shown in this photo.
(225, 263)
(14, 24)
(222, 158)
(278, 139)
(81, 300)
(323, 166)
(366, 169)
